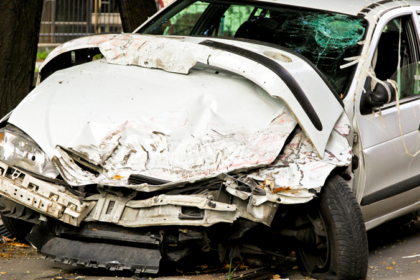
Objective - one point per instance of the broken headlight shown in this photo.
(19, 150)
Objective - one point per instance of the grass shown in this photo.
(41, 55)
(230, 270)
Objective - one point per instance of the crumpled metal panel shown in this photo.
(190, 128)
(46, 198)
(299, 165)
(194, 126)
(179, 55)
(200, 202)
(219, 150)
(162, 211)
(77, 44)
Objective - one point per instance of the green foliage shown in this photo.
(230, 270)
(41, 55)
(96, 57)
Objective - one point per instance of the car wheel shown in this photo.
(17, 228)
(341, 250)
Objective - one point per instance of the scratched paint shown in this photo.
(295, 171)
(181, 54)
(160, 146)
(304, 169)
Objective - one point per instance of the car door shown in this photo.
(390, 139)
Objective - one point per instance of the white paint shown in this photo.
(305, 169)
(46, 198)
(196, 125)
(179, 54)
(190, 127)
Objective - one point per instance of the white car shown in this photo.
(221, 129)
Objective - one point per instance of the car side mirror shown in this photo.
(376, 98)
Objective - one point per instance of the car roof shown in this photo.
(349, 7)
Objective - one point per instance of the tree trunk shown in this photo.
(135, 12)
(20, 22)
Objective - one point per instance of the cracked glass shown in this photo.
(324, 38)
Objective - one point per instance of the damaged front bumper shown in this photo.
(141, 184)
(134, 225)
(115, 222)
(113, 206)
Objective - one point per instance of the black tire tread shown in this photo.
(16, 228)
(4, 232)
(348, 227)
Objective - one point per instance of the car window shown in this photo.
(323, 37)
(232, 19)
(182, 22)
(408, 78)
(397, 55)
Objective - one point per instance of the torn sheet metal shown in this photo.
(280, 78)
(77, 44)
(163, 211)
(191, 127)
(179, 55)
(300, 168)
(48, 199)
(141, 150)
(200, 202)
(217, 119)
(291, 179)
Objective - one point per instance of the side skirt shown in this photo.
(393, 215)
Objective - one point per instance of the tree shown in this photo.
(20, 22)
(135, 12)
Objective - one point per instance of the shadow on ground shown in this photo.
(393, 248)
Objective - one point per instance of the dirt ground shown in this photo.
(394, 254)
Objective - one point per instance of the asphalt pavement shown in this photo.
(394, 254)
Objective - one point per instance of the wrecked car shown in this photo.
(265, 130)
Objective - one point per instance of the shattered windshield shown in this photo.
(325, 38)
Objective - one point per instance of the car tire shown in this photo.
(17, 228)
(346, 254)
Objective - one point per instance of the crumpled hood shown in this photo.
(151, 120)
(136, 120)
(281, 73)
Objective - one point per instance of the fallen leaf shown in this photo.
(203, 266)
(118, 177)
(295, 267)
(276, 276)
(394, 263)
(3, 272)
(390, 267)
(20, 245)
(7, 239)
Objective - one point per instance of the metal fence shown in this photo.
(64, 20)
